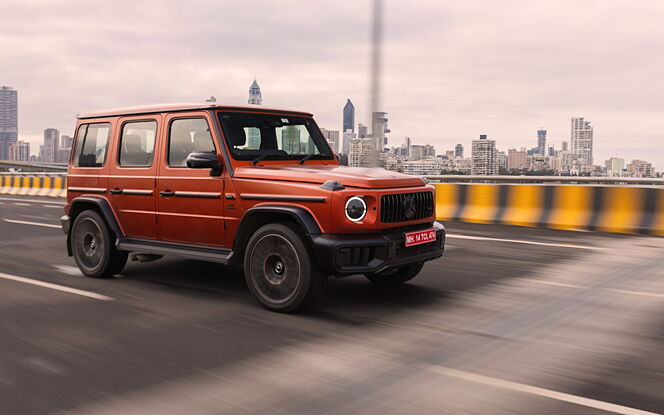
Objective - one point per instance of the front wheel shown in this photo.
(93, 248)
(396, 276)
(280, 270)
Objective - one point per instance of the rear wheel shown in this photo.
(93, 248)
(396, 276)
(280, 270)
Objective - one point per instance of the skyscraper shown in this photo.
(541, 141)
(349, 116)
(253, 134)
(362, 131)
(255, 96)
(485, 157)
(379, 129)
(51, 145)
(458, 151)
(582, 140)
(8, 120)
(332, 138)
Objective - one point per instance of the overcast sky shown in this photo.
(452, 70)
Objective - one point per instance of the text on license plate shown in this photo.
(420, 237)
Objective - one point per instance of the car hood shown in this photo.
(320, 173)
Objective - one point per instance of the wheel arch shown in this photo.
(101, 206)
(261, 215)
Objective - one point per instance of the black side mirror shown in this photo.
(204, 161)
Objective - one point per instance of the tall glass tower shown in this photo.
(349, 117)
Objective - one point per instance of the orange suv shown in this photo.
(241, 185)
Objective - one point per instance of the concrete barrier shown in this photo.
(33, 184)
(617, 209)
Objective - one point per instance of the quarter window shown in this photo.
(137, 143)
(91, 145)
(186, 136)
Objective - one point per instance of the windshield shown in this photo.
(279, 137)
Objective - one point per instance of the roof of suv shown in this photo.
(151, 109)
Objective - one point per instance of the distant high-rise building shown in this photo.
(458, 151)
(255, 96)
(8, 120)
(485, 157)
(615, 164)
(641, 168)
(66, 141)
(290, 140)
(565, 146)
(19, 151)
(517, 160)
(51, 145)
(379, 129)
(541, 141)
(362, 131)
(582, 140)
(360, 152)
(407, 145)
(332, 138)
(348, 136)
(349, 117)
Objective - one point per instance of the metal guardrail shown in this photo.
(34, 167)
(546, 179)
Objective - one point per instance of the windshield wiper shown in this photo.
(262, 157)
(305, 158)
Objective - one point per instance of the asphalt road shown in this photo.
(510, 321)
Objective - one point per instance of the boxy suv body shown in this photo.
(241, 185)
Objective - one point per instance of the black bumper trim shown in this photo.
(386, 251)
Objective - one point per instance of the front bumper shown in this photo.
(357, 254)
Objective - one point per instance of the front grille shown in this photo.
(392, 207)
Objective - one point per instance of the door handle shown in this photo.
(115, 191)
(166, 193)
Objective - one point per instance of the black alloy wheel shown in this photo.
(93, 248)
(280, 270)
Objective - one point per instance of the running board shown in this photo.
(202, 253)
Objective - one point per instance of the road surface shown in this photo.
(510, 321)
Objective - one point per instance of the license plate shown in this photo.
(420, 237)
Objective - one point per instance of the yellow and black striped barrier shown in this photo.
(33, 184)
(619, 209)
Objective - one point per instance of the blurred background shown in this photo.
(538, 122)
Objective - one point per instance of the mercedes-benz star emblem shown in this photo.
(409, 207)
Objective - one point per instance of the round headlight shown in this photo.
(356, 209)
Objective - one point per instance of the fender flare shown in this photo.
(302, 216)
(103, 208)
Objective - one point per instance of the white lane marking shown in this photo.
(22, 204)
(534, 390)
(51, 202)
(24, 222)
(56, 287)
(518, 241)
(67, 269)
(559, 284)
(615, 290)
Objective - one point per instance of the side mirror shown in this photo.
(206, 160)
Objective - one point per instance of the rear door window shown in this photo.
(137, 143)
(91, 145)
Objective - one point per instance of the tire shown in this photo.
(396, 276)
(280, 269)
(93, 249)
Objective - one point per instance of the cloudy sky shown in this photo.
(451, 71)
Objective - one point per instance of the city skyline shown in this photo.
(443, 83)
